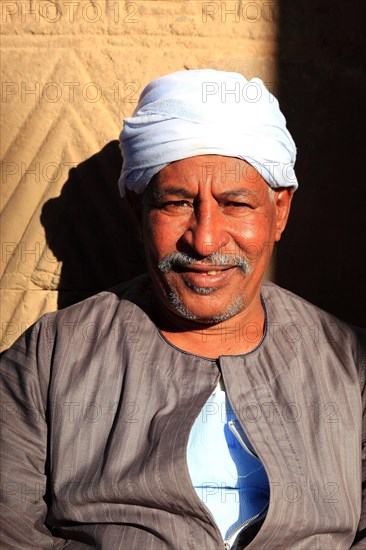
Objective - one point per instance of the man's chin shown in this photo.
(204, 315)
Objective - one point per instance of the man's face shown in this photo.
(209, 224)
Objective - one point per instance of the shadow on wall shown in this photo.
(322, 90)
(91, 230)
(322, 253)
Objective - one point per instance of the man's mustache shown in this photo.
(181, 259)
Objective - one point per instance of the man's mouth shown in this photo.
(202, 269)
(205, 277)
(213, 272)
(214, 265)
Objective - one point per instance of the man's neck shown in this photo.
(236, 336)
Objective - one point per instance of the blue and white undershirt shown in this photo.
(226, 474)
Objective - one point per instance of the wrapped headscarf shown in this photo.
(206, 112)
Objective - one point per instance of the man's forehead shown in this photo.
(229, 175)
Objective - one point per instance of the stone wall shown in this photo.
(71, 70)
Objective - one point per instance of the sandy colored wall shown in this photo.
(71, 70)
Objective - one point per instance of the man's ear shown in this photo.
(283, 198)
(135, 202)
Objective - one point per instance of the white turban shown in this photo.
(203, 112)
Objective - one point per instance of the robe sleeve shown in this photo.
(360, 539)
(24, 377)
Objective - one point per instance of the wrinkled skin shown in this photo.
(200, 206)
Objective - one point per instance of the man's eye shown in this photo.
(176, 205)
(237, 208)
(236, 204)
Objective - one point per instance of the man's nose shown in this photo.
(206, 231)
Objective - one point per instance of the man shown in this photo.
(197, 406)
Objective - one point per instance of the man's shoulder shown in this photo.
(287, 307)
(105, 321)
(133, 295)
(288, 303)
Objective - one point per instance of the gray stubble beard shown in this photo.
(182, 259)
(233, 310)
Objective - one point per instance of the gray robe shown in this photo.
(97, 408)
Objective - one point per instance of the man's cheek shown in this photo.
(257, 245)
